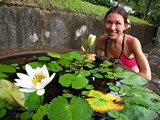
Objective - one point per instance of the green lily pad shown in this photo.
(143, 97)
(3, 75)
(7, 69)
(135, 112)
(66, 80)
(79, 82)
(71, 56)
(130, 78)
(44, 58)
(77, 109)
(54, 55)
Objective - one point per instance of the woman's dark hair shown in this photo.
(119, 10)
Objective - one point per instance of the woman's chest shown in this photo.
(113, 51)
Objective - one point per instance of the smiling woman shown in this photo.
(115, 44)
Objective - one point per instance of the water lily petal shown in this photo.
(44, 71)
(21, 83)
(25, 78)
(40, 92)
(40, 85)
(30, 71)
(27, 90)
(51, 78)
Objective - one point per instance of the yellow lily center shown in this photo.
(37, 78)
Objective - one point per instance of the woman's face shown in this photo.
(114, 25)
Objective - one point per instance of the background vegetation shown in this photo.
(148, 10)
(96, 7)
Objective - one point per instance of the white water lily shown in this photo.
(91, 40)
(36, 79)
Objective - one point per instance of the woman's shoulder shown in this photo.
(131, 39)
(133, 43)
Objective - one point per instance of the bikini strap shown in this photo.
(123, 42)
(106, 44)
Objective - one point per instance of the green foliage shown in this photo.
(131, 78)
(3, 75)
(75, 109)
(32, 101)
(26, 115)
(3, 108)
(139, 113)
(141, 96)
(10, 93)
(35, 115)
(44, 58)
(41, 112)
(7, 69)
(105, 3)
(77, 81)
(117, 115)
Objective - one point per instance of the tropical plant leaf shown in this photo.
(41, 112)
(79, 82)
(109, 75)
(36, 64)
(77, 109)
(135, 112)
(54, 66)
(44, 58)
(123, 74)
(54, 55)
(67, 95)
(104, 70)
(118, 70)
(10, 93)
(89, 87)
(84, 72)
(106, 64)
(64, 63)
(72, 55)
(3, 75)
(5, 105)
(26, 115)
(102, 102)
(66, 79)
(7, 69)
(117, 115)
(89, 65)
(131, 78)
(32, 100)
(143, 97)
(2, 112)
(97, 75)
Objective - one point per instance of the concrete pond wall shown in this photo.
(31, 28)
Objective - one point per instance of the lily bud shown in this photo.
(91, 40)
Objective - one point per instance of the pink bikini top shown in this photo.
(129, 62)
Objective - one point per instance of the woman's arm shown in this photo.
(100, 44)
(142, 62)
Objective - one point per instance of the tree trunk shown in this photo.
(147, 10)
